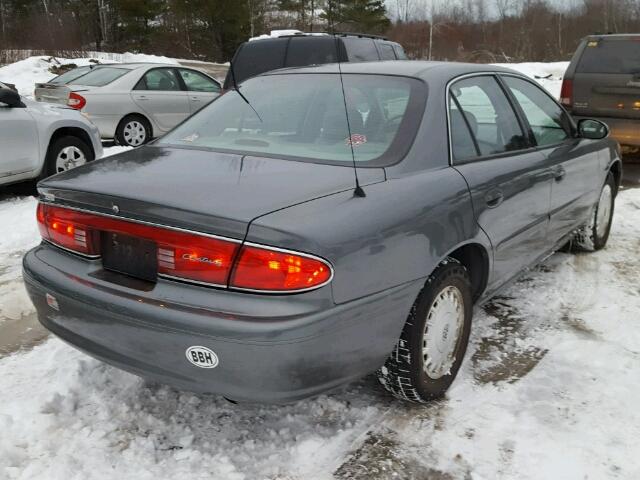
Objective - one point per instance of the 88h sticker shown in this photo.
(202, 357)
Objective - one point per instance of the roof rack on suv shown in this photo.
(354, 34)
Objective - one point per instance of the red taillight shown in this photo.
(186, 255)
(76, 101)
(265, 269)
(566, 93)
(67, 229)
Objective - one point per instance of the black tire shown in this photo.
(122, 136)
(55, 149)
(593, 236)
(600, 233)
(404, 374)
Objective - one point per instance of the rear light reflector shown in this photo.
(76, 101)
(189, 256)
(266, 269)
(566, 93)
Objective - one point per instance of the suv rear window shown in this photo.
(258, 57)
(305, 51)
(100, 76)
(304, 118)
(611, 55)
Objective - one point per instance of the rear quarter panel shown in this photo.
(396, 234)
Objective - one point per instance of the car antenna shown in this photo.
(237, 89)
(358, 192)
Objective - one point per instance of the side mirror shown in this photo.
(592, 129)
(11, 98)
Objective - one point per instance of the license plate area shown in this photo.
(129, 255)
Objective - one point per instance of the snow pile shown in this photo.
(549, 75)
(548, 390)
(19, 234)
(276, 34)
(26, 73)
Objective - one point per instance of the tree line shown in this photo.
(468, 30)
(194, 29)
(506, 30)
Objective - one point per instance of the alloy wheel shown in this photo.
(68, 158)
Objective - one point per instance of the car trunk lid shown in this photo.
(204, 191)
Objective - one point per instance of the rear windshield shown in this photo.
(101, 76)
(70, 75)
(304, 118)
(611, 56)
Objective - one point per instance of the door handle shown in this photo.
(142, 97)
(494, 198)
(559, 173)
(195, 99)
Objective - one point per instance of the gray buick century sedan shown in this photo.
(273, 247)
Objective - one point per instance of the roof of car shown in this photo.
(407, 68)
(135, 65)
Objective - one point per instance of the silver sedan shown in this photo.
(133, 103)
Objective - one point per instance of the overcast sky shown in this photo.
(420, 8)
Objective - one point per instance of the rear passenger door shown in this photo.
(160, 95)
(574, 163)
(201, 88)
(509, 181)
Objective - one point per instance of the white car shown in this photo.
(38, 140)
(136, 102)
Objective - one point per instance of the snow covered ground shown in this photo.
(549, 389)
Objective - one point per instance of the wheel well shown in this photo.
(136, 114)
(475, 259)
(72, 132)
(616, 170)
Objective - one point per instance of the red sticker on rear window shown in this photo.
(356, 140)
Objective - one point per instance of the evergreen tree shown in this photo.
(364, 16)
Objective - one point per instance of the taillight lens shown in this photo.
(76, 101)
(566, 93)
(265, 269)
(188, 256)
(67, 229)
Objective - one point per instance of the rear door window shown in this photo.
(462, 145)
(611, 55)
(360, 49)
(198, 82)
(488, 112)
(386, 51)
(546, 119)
(400, 52)
(159, 79)
(100, 76)
(311, 51)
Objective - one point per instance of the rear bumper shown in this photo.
(624, 130)
(271, 349)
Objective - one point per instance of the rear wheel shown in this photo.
(133, 131)
(433, 342)
(66, 153)
(603, 216)
(595, 234)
